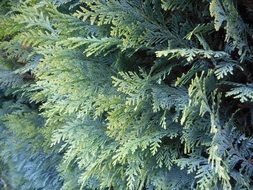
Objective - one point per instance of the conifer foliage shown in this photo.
(126, 94)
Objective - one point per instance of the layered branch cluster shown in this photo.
(126, 94)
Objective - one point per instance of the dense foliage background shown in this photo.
(128, 94)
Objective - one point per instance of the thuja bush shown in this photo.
(128, 94)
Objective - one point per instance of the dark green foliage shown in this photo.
(129, 94)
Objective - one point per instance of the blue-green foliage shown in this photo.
(22, 151)
(129, 94)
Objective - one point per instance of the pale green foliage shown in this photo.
(191, 54)
(93, 45)
(125, 94)
(242, 92)
(218, 13)
(226, 16)
(224, 69)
